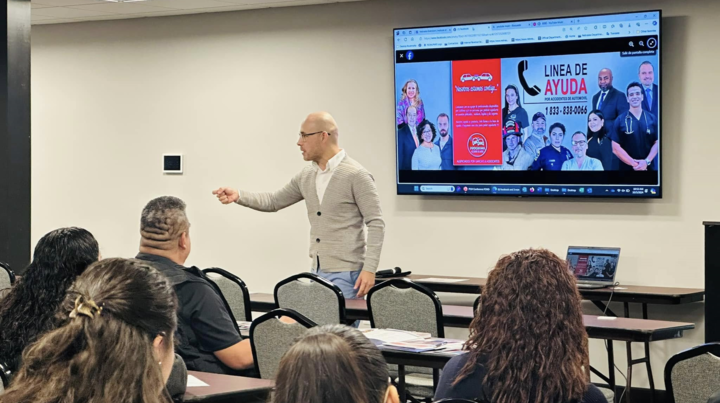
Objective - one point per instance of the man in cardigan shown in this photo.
(341, 200)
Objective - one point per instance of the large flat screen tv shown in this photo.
(549, 107)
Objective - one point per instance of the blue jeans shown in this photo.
(345, 280)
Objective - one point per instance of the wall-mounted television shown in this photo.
(548, 107)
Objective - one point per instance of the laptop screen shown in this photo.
(593, 264)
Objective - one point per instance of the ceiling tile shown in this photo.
(121, 8)
(287, 3)
(53, 11)
(196, 11)
(259, 3)
(55, 21)
(189, 4)
(64, 3)
(107, 17)
(42, 18)
(66, 12)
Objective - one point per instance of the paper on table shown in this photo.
(416, 345)
(457, 346)
(243, 325)
(194, 382)
(391, 335)
(442, 280)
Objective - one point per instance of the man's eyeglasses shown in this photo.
(579, 143)
(306, 135)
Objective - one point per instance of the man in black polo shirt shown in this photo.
(208, 339)
(635, 136)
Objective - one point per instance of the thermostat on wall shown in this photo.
(172, 163)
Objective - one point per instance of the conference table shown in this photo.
(598, 327)
(227, 389)
(609, 328)
(623, 293)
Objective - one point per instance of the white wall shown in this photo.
(229, 91)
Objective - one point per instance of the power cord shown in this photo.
(607, 348)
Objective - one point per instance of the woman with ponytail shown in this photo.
(114, 344)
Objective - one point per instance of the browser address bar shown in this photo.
(463, 36)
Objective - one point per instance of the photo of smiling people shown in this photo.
(410, 97)
(427, 156)
(515, 158)
(513, 110)
(580, 160)
(424, 131)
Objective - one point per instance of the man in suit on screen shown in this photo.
(408, 140)
(646, 74)
(609, 100)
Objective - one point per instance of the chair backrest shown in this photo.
(233, 290)
(404, 305)
(476, 304)
(225, 304)
(715, 398)
(7, 276)
(312, 296)
(270, 338)
(693, 375)
(5, 375)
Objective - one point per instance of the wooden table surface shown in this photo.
(609, 328)
(227, 388)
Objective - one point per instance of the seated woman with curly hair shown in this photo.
(527, 342)
(29, 309)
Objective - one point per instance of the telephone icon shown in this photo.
(532, 91)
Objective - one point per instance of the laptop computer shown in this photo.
(593, 267)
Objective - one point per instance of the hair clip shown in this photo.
(85, 307)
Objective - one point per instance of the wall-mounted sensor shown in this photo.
(172, 163)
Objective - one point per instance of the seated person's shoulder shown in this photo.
(197, 291)
(470, 387)
(456, 364)
(594, 395)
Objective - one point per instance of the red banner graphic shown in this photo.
(477, 110)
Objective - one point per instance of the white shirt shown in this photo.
(588, 164)
(413, 130)
(322, 178)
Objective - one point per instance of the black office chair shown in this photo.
(715, 398)
(693, 374)
(476, 304)
(270, 338)
(327, 305)
(225, 303)
(7, 276)
(234, 291)
(403, 305)
(5, 375)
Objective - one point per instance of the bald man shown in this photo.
(609, 100)
(342, 201)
